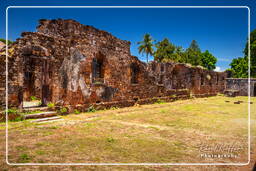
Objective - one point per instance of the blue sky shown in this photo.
(221, 31)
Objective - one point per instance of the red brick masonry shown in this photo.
(71, 64)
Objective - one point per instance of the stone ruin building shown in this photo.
(75, 65)
(239, 87)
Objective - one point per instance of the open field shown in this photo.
(177, 132)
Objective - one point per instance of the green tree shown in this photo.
(208, 60)
(146, 45)
(239, 66)
(164, 51)
(179, 54)
(252, 52)
(194, 46)
(193, 54)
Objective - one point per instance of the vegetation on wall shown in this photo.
(239, 66)
(165, 51)
(4, 41)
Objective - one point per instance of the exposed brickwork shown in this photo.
(71, 64)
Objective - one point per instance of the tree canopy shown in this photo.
(146, 45)
(165, 51)
(194, 46)
(239, 66)
(208, 60)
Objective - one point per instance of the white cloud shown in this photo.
(217, 69)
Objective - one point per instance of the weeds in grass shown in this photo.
(24, 158)
(91, 109)
(64, 110)
(12, 111)
(163, 111)
(110, 139)
(21, 148)
(39, 152)
(76, 111)
(33, 98)
(53, 127)
(18, 118)
(31, 112)
(51, 105)
(13, 115)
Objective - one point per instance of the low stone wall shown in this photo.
(178, 95)
(239, 86)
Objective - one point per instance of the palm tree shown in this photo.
(146, 45)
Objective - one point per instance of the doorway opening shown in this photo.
(254, 90)
(36, 91)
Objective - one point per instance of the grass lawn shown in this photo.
(177, 132)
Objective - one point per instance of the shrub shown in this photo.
(19, 117)
(91, 109)
(64, 110)
(12, 111)
(76, 111)
(33, 98)
(51, 105)
(159, 101)
(13, 115)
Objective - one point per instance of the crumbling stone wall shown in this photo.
(240, 85)
(68, 63)
(2, 77)
(15, 76)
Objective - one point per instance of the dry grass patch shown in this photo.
(169, 132)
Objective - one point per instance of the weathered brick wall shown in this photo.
(62, 55)
(241, 86)
(2, 77)
(15, 75)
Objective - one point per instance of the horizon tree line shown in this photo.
(165, 51)
(239, 66)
